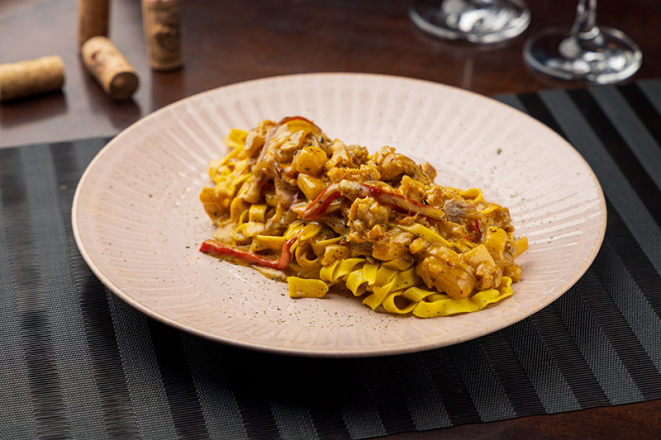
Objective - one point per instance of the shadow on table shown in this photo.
(29, 110)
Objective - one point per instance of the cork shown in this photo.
(93, 16)
(31, 77)
(110, 68)
(162, 32)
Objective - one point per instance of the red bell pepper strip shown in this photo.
(219, 249)
(318, 206)
(296, 118)
(349, 188)
(475, 227)
(390, 198)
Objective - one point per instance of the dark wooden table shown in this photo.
(231, 41)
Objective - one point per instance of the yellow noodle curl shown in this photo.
(325, 216)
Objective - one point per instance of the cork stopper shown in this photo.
(93, 17)
(162, 32)
(110, 68)
(31, 77)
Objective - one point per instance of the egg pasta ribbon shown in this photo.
(327, 216)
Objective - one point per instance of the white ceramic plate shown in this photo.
(138, 221)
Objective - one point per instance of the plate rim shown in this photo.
(330, 353)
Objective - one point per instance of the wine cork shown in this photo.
(31, 77)
(93, 16)
(110, 68)
(162, 32)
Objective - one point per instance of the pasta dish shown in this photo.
(325, 216)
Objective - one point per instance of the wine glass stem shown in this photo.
(585, 36)
(585, 26)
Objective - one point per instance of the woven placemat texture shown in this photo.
(77, 362)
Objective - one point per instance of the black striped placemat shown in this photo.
(77, 362)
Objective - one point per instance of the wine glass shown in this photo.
(475, 21)
(588, 53)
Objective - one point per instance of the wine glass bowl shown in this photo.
(475, 21)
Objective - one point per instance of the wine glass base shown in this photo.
(486, 21)
(611, 58)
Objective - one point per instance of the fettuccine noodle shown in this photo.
(323, 215)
